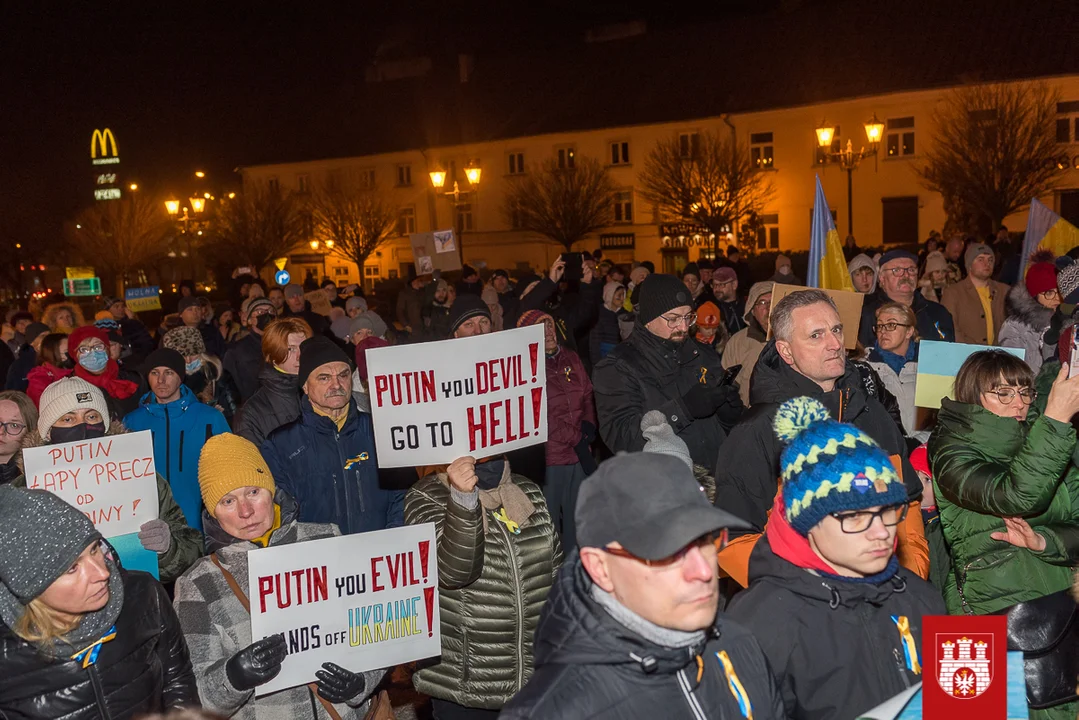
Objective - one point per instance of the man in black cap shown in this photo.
(326, 459)
(898, 282)
(631, 627)
(469, 315)
(660, 367)
(469, 282)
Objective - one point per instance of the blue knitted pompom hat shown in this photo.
(829, 466)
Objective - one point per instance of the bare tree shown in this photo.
(121, 236)
(714, 184)
(563, 204)
(256, 226)
(355, 221)
(994, 149)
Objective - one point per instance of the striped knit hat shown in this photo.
(829, 466)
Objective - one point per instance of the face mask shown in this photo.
(263, 320)
(193, 366)
(95, 362)
(785, 270)
(74, 433)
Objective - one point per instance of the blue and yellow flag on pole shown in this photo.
(1047, 231)
(827, 267)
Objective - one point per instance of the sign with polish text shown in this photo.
(143, 299)
(111, 479)
(364, 601)
(483, 395)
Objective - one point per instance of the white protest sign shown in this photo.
(480, 395)
(112, 479)
(363, 601)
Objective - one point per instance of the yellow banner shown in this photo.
(78, 273)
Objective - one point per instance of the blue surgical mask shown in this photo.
(193, 366)
(95, 361)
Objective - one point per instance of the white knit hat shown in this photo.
(63, 396)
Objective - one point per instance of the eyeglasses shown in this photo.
(858, 522)
(1050, 294)
(1007, 394)
(12, 428)
(718, 540)
(900, 271)
(888, 327)
(673, 322)
(87, 349)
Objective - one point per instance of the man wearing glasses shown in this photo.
(631, 628)
(977, 301)
(660, 367)
(898, 282)
(837, 616)
(725, 289)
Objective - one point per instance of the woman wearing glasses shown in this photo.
(1005, 484)
(1030, 305)
(895, 358)
(17, 413)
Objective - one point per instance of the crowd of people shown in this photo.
(734, 515)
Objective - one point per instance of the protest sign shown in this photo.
(143, 299)
(435, 251)
(319, 302)
(133, 556)
(938, 364)
(363, 601)
(849, 305)
(111, 479)
(482, 395)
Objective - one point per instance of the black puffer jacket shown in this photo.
(244, 363)
(274, 404)
(145, 669)
(588, 665)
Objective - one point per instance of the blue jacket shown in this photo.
(180, 429)
(333, 475)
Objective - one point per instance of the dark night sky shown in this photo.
(216, 85)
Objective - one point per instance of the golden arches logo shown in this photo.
(100, 141)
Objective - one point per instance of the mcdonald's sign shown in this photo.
(100, 143)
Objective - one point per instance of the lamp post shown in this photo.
(458, 196)
(847, 159)
(192, 220)
(328, 245)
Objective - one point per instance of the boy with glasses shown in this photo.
(837, 616)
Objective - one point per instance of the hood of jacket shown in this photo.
(173, 409)
(774, 381)
(1021, 307)
(860, 261)
(217, 538)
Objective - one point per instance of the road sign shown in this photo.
(280, 263)
(82, 287)
(78, 273)
(281, 277)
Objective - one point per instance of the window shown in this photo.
(688, 145)
(516, 161)
(566, 156)
(464, 217)
(761, 150)
(303, 183)
(340, 271)
(623, 206)
(273, 183)
(1068, 122)
(404, 175)
(768, 232)
(899, 136)
(365, 178)
(406, 221)
(837, 146)
(370, 271)
(620, 153)
(900, 217)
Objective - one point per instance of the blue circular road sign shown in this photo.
(281, 277)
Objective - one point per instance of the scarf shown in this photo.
(896, 362)
(664, 637)
(109, 381)
(502, 497)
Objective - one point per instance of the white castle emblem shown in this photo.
(964, 665)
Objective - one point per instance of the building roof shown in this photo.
(803, 54)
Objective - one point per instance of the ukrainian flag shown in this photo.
(827, 268)
(1047, 231)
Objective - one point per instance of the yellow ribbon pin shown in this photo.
(910, 649)
(735, 685)
(703, 379)
(504, 519)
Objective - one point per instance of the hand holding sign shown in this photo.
(462, 473)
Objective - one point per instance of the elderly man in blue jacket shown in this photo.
(326, 459)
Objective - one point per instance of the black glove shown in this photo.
(588, 431)
(703, 400)
(257, 663)
(338, 685)
(1056, 324)
(731, 408)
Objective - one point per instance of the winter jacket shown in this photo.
(934, 321)
(216, 388)
(1026, 323)
(275, 403)
(743, 349)
(17, 374)
(733, 314)
(574, 314)
(492, 588)
(589, 665)
(832, 644)
(986, 468)
(138, 337)
(646, 373)
(333, 474)
(180, 429)
(605, 335)
(410, 310)
(217, 626)
(436, 321)
(569, 403)
(41, 377)
(968, 314)
(244, 363)
(901, 385)
(145, 669)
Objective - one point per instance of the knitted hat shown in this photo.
(107, 302)
(973, 251)
(732, 249)
(1041, 277)
(829, 466)
(691, 269)
(293, 290)
(40, 537)
(919, 460)
(317, 351)
(467, 306)
(165, 357)
(660, 294)
(356, 303)
(256, 303)
(708, 315)
(185, 340)
(340, 327)
(187, 302)
(34, 330)
(659, 437)
(86, 332)
(229, 462)
(65, 395)
(896, 255)
(705, 264)
(468, 271)
(724, 274)
(370, 320)
(107, 324)
(935, 261)
(1068, 283)
(366, 344)
(533, 317)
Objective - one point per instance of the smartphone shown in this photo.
(730, 374)
(1073, 364)
(574, 266)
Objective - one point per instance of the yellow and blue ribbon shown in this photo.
(735, 685)
(88, 655)
(910, 648)
(358, 459)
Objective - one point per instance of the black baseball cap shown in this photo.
(649, 503)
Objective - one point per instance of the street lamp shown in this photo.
(197, 204)
(459, 197)
(173, 206)
(847, 158)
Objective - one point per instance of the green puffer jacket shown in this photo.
(492, 588)
(986, 468)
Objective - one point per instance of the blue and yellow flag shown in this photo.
(827, 267)
(1047, 231)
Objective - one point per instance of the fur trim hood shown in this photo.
(1023, 308)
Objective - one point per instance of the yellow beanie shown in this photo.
(229, 462)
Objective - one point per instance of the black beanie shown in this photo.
(691, 269)
(659, 294)
(467, 306)
(165, 357)
(315, 352)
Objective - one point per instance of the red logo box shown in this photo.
(966, 667)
